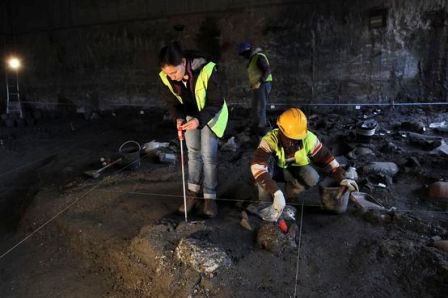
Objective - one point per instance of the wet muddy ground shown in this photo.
(118, 235)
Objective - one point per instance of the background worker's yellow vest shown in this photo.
(255, 72)
(300, 157)
(218, 123)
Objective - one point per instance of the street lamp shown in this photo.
(12, 90)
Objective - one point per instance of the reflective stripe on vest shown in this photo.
(254, 72)
(218, 123)
(300, 156)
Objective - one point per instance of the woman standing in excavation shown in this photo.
(194, 95)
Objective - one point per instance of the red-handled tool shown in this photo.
(282, 225)
(180, 135)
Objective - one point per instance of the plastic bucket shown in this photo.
(329, 190)
(130, 154)
(366, 130)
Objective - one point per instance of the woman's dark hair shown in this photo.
(171, 54)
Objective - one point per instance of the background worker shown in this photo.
(260, 81)
(194, 94)
(293, 147)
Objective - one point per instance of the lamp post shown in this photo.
(14, 64)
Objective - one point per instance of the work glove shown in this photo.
(273, 212)
(350, 184)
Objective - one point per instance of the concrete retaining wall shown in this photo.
(104, 52)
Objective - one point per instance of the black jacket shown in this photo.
(214, 100)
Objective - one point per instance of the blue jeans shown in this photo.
(202, 145)
(306, 176)
(259, 103)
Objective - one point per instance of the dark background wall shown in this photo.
(104, 52)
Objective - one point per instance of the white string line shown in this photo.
(274, 103)
(222, 199)
(179, 196)
(139, 193)
(225, 199)
(47, 222)
(62, 211)
(357, 104)
(298, 250)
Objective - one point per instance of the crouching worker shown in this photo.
(293, 147)
(194, 95)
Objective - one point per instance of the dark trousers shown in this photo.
(259, 104)
(297, 179)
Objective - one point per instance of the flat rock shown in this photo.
(201, 255)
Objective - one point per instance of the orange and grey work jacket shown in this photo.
(309, 150)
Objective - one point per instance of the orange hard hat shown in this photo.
(293, 124)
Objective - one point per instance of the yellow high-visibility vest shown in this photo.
(300, 156)
(218, 123)
(254, 72)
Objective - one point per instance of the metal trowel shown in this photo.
(96, 173)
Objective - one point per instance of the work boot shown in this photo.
(210, 209)
(192, 199)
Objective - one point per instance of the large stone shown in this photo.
(360, 151)
(386, 168)
(441, 150)
(439, 190)
(416, 126)
(271, 238)
(427, 142)
(201, 255)
(441, 244)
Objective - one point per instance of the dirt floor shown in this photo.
(118, 235)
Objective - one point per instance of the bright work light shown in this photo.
(14, 63)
